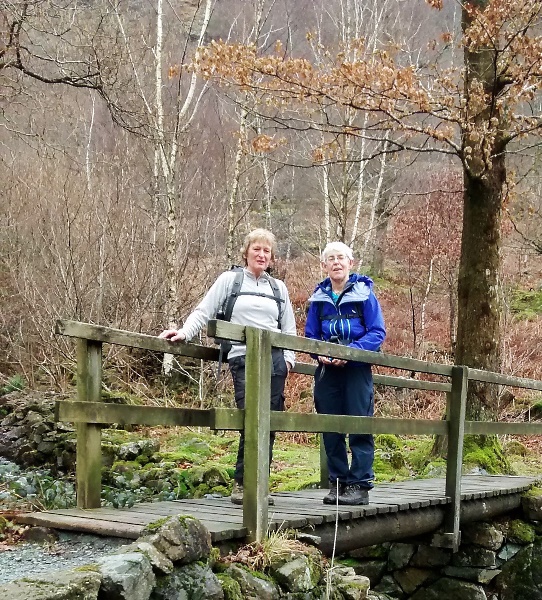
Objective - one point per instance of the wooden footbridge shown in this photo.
(396, 510)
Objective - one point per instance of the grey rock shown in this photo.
(447, 588)
(57, 585)
(301, 574)
(159, 561)
(353, 587)
(429, 557)
(126, 577)
(508, 551)
(389, 586)
(253, 587)
(376, 552)
(41, 535)
(399, 555)
(482, 534)
(474, 556)
(411, 579)
(373, 569)
(521, 577)
(181, 539)
(532, 507)
(189, 582)
(483, 576)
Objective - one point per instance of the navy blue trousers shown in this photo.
(279, 371)
(347, 390)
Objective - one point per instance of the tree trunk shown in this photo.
(484, 175)
(479, 297)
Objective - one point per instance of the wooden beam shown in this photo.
(492, 428)
(455, 413)
(257, 430)
(120, 337)
(88, 466)
(314, 423)
(501, 379)
(104, 414)
(226, 330)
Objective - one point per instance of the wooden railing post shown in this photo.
(455, 413)
(89, 436)
(257, 429)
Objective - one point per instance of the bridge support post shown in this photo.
(455, 414)
(324, 472)
(257, 430)
(88, 469)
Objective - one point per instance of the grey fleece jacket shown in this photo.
(248, 310)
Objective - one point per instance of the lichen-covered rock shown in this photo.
(410, 579)
(189, 582)
(252, 586)
(482, 534)
(447, 588)
(182, 539)
(373, 569)
(297, 572)
(76, 584)
(399, 555)
(429, 557)
(139, 448)
(350, 585)
(160, 562)
(230, 587)
(531, 503)
(520, 532)
(375, 552)
(474, 556)
(388, 587)
(521, 577)
(126, 577)
(483, 576)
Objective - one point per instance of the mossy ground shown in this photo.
(296, 464)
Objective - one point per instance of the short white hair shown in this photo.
(337, 247)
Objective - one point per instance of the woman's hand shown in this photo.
(327, 360)
(173, 335)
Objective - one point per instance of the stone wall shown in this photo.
(498, 560)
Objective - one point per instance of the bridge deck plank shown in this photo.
(291, 509)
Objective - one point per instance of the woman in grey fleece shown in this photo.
(255, 306)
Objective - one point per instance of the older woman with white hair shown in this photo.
(258, 300)
(343, 309)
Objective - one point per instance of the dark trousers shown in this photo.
(347, 390)
(279, 371)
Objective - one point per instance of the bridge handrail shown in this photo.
(90, 414)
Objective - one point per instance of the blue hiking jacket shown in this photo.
(366, 333)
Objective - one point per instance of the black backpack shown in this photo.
(225, 312)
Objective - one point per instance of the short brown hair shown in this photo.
(259, 235)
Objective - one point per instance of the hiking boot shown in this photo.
(237, 495)
(354, 494)
(331, 497)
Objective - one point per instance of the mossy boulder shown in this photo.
(531, 503)
(297, 571)
(182, 539)
(521, 577)
(486, 453)
(520, 532)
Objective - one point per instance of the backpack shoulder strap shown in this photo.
(276, 292)
(234, 294)
(357, 315)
